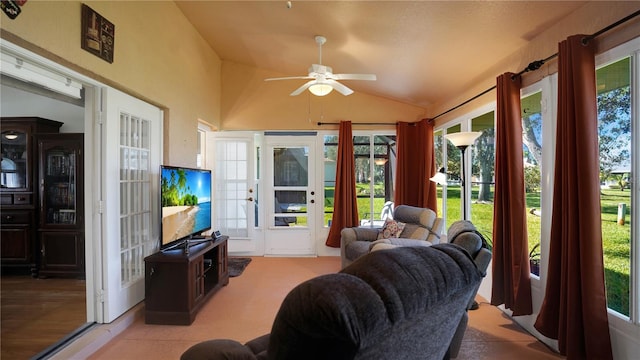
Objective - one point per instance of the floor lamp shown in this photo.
(461, 140)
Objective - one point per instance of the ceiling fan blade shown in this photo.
(290, 78)
(339, 87)
(302, 88)
(354, 76)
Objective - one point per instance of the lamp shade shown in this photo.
(464, 138)
(320, 89)
(440, 177)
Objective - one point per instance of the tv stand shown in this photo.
(178, 283)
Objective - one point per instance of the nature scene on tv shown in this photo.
(186, 202)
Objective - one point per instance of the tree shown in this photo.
(614, 130)
(484, 161)
(454, 160)
(532, 130)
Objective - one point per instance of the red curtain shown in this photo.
(345, 206)
(511, 282)
(415, 165)
(574, 309)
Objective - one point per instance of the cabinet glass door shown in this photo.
(14, 159)
(59, 182)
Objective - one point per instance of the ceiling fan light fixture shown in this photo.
(320, 89)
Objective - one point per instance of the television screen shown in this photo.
(185, 198)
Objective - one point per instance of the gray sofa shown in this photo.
(422, 228)
(404, 303)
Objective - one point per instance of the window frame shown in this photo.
(619, 322)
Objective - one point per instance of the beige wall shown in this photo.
(162, 59)
(159, 57)
(587, 20)
(250, 103)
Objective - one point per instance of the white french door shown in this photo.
(290, 195)
(130, 156)
(236, 192)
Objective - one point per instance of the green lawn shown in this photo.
(616, 238)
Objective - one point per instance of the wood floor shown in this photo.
(37, 313)
(246, 307)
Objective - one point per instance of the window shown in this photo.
(479, 170)
(483, 174)
(615, 140)
(532, 152)
(201, 143)
(375, 157)
(453, 199)
(330, 159)
(438, 139)
(201, 151)
(375, 160)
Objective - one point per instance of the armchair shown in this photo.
(421, 228)
(464, 234)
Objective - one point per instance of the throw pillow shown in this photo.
(391, 229)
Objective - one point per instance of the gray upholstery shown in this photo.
(463, 233)
(420, 224)
(406, 303)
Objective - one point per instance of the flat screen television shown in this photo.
(185, 200)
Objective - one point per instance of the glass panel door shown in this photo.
(235, 200)
(290, 216)
(235, 161)
(135, 198)
(290, 180)
(131, 222)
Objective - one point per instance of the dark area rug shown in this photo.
(237, 265)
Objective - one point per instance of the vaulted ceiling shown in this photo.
(422, 52)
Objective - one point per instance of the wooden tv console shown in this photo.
(178, 283)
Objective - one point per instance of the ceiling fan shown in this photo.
(323, 80)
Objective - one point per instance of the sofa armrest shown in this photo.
(482, 260)
(351, 234)
(437, 230)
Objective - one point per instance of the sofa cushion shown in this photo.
(391, 229)
(393, 243)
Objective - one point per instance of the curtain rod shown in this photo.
(535, 65)
(362, 123)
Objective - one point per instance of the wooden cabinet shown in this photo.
(18, 191)
(61, 208)
(16, 231)
(177, 283)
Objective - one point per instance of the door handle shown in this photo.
(250, 198)
(313, 201)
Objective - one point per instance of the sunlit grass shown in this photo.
(615, 237)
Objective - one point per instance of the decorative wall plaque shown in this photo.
(98, 34)
(12, 7)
